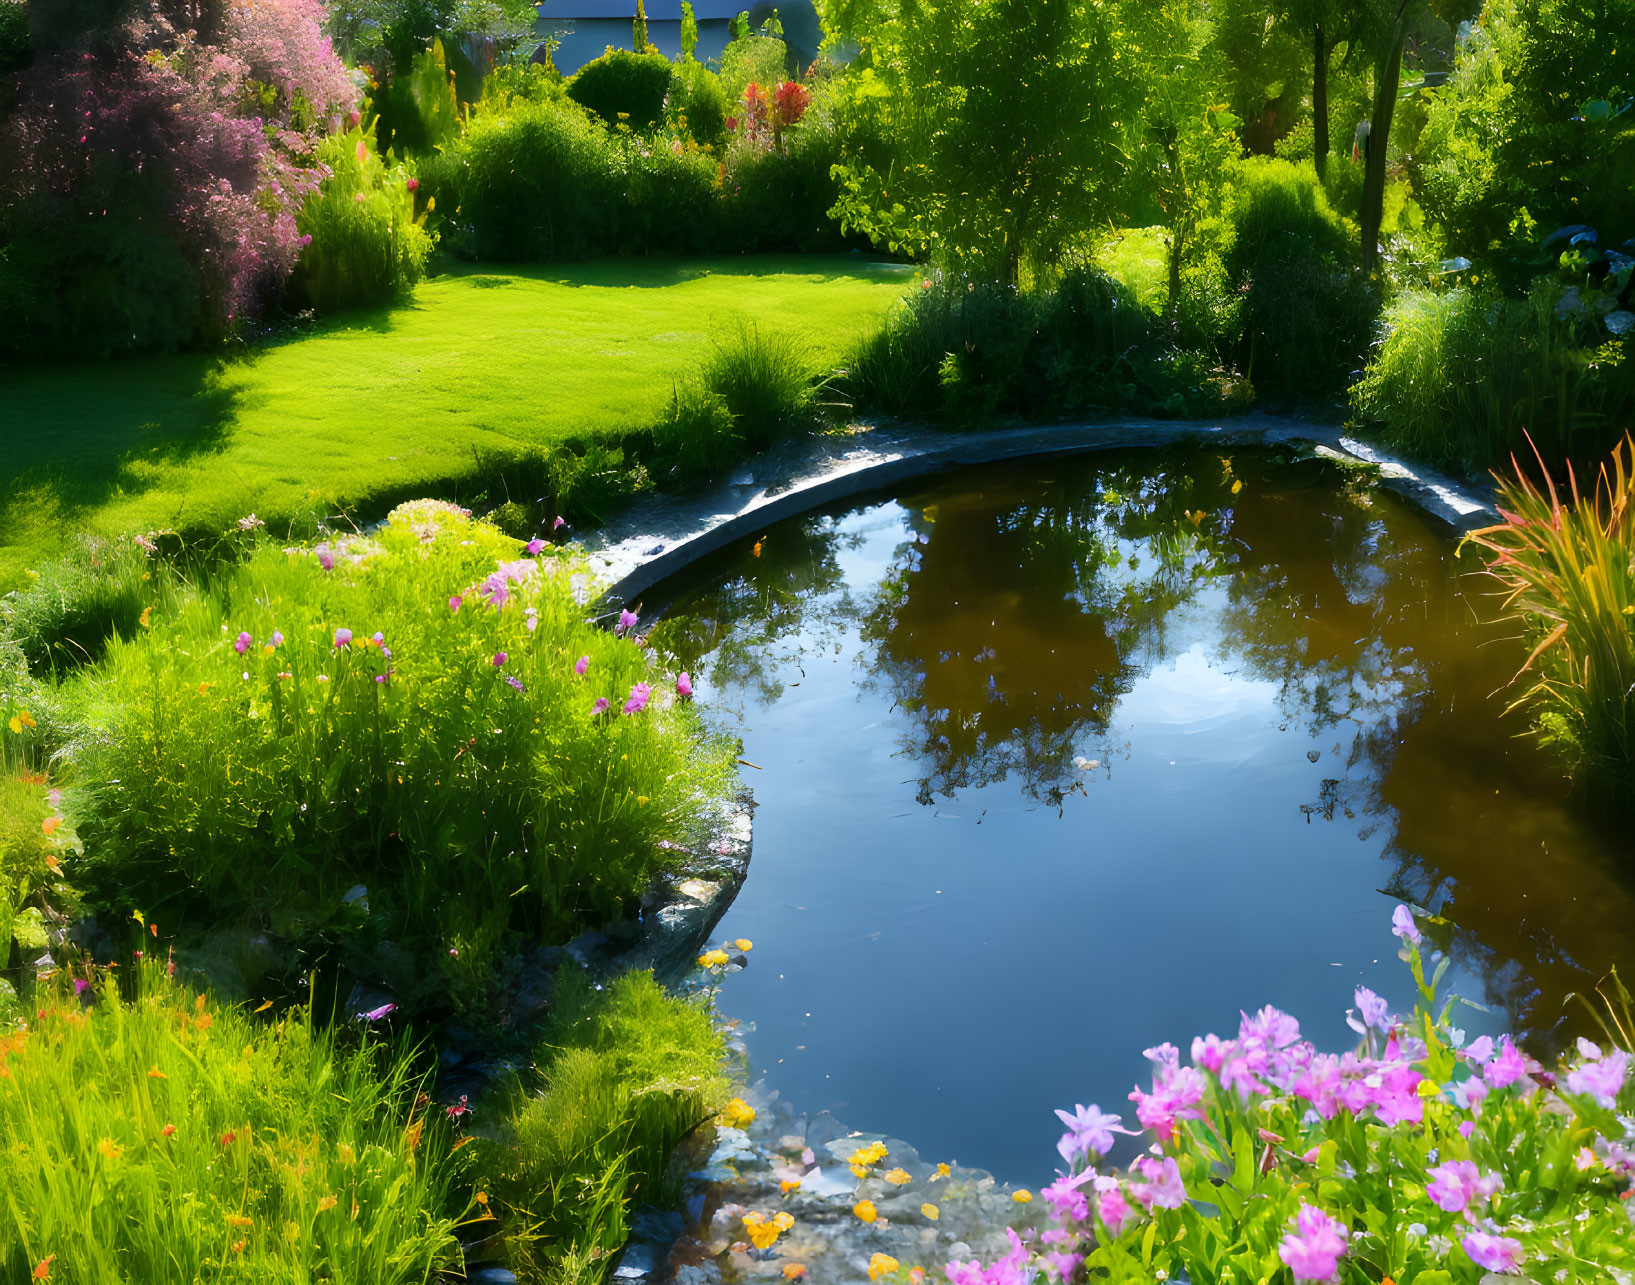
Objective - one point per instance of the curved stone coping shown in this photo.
(657, 537)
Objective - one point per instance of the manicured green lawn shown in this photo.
(376, 402)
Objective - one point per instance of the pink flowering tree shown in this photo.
(153, 168)
(1418, 1155)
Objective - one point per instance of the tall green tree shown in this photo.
(996, 129)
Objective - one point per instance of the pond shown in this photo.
(1061, 760)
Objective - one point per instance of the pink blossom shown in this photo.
(375, 1014)
(638, 698)
(1404, 926)
(601, 707)
(326, 559)
(1602, 1079)
(559, 523)
(1111, 1206)
(499, 659)
(1458, 1184)
(535, 545)
(1271, 1027)
(627, 621)
(1173, 1099)
(343, 638)
(241, 644)
(1312, 1250)
(1469, 1093)
(1502, 1254)
(454, 603)
(277, 639)
(1066, 1199)
(1508, 1067)
(496, 591)
(684, 685)
(1090, 1132)
(1211, 1051)
(1373, 1009)
(1163, 1186)
(581, 665)
(412, 185)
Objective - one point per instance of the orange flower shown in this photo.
(239, 1221)
(42, 1272)
(205, 1022)
(157, 1074)
(788, 1185)
(50, 824)
(238, 1246)
(794, 1271)
(228, 1139)
(110, 1149)
(167, 1131)
(865, 1210)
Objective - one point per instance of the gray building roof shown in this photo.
(657, 10)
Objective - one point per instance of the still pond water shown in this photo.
(1063, 760)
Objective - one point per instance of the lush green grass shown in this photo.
(395, 399)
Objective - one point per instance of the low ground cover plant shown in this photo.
(172, 1138)
(411, 745)
(623, 1075)
(1565, 563)
(1420, 1155)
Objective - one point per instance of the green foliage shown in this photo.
(626, 1073)
(470, 795)
(95, 592)
(780, 197)
(698, 105)
(1007, 126)
(970, 352)
(624, 88)
(766, 379)
(638, 30)
(689, 32)
(1306, 315)
(1533, 130)
(1566, 565)
(368, 244)
(758, 60)
(1461, 375)
(696, 440)
(171, 1139)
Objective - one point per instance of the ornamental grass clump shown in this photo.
(389, 743)
(1417, 1156)
(172, 1139)
(1566, 565)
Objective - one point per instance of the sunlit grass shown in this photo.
(396, 401)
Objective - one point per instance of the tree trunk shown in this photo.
(1319, 103)
(1379, 135)
(1176, 248)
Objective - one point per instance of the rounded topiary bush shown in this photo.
(624, 88)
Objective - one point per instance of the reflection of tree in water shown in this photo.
(751, 630)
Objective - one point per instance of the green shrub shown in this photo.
(767, 381)
(697, 440)
(972, 351)
(1307, 314)
(1566, 565)
(169, 1139)
(779, 198)
(624, 88)
(626, 1073)
(253, 760)
(698, 105)
(1460, 376)
(755, 59)
(76, 605)
(367, 244)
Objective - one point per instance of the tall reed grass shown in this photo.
(172, 1139)
(1566, 565)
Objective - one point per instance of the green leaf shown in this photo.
(28, 929)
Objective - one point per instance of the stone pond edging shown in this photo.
(655, 537)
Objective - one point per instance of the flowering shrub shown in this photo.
(387, 741)
(1417, 1156)
(183, 1140)
(152, 171)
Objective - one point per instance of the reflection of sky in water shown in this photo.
(958, 927)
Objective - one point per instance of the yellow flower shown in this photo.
(744, 943)
(345, 1152)
(326, 1203)
(865, 1210)
(711, 958)
(16, 726)
(881, 1265)
(942, 1172)
(26, 718)
(931, 1212)
(157, 1074)
(898, 1177)
(110, 1149)
(783, 1220)
(147, 617)
(203, 688)
(789, 1184)
(1022, 1196)
(737, 1114)
(239, 1220)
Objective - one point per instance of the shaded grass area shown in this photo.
(478, 367)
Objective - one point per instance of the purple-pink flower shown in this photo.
(1174, 1097)
(454, 603)
(1163, 1186)
(581, 665)
(1373, 1009)
(1090, 1132)
(1211, 1051)
(1501, 1254)
(1602, 1078)
(343, 638)
(241, 644)
(1403, 925)
(1111, 1206)
(601, 707)
(375, 1014)
(535, 545)
(499, 659)
(559, 523)
(1508, 1067)
(1458, 1184)
(1312, 1250)
(684, 685)
(515, 682)
(627, 621)
(496, 591)
(277, 639)
(326, 559)
(638, 698)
